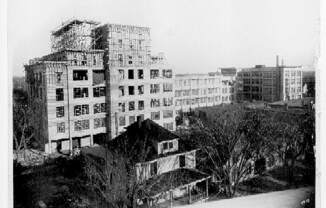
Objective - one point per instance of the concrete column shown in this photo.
(171, 199)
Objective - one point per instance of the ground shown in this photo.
(291, 198)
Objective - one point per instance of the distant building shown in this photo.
(309, 83)
(19, 83)
(228, 84)
(197, 90)
(161, 159)
(269, 84)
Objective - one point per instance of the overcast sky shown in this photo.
(195, 35)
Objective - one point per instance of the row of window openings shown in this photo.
(82, 125)
(198, 82)
(154, 88)
(81, 93)
(82, 109)
(197, 100)
(179, 93)
(154, 73)
(154, 116)
(141, 104)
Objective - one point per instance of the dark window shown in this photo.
(155, 115)
(122, 107)
(81, 110)
(80, 75)
(130, 74)
(167, 73)
(60, 111)
(59, 94)
(81, 125)
(141, 105)
(59, 76)
(131, 105)
(182, 161)
(131, 90)
(122, 121)
(140, 89)
(99, 91)
(155, 88)
(121, 74)
(121, 91)
(84, 61)
(99, 108)
(154, 73)
(153, 168)
(170, 145)
(165, 146)
(61, 127)
(131, 119)
(80, 92)
(98, 77)
(140, 74)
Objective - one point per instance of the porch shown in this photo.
(178, 187)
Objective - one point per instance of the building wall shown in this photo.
(198, 90)
(63, 113)
(267, 83)
(127, 48)
(291, 83)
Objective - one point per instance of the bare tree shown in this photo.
(22, 128)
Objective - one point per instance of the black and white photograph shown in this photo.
(163, 103)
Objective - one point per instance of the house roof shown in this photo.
(155, 131)
(174, 179)
(139, 140)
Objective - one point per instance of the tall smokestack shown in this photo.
(277, 61)
(282, 62)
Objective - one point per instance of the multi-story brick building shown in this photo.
(87, 94)
(269, 84)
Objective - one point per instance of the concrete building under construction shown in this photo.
(98, 80)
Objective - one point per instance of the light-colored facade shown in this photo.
(103, 84)
(269, 84)
(64, 93)
(203, 90)
(140, 84)
(197, 90)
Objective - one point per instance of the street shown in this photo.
(280, 199)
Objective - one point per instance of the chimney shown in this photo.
(282, 62)
(277, 61)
